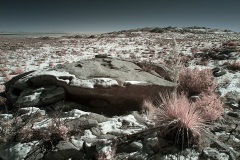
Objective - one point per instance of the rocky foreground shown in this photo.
(83, 97)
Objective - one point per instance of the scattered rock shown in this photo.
(221, 55)
(89, 150)
(101, 56)
(99, 118)
(6, 117)
(64, 150)
(232, 104)
(36, 153)
(96, 131)
(82, 123)
(217, 72)
(33, 112)
(134, 155)
(77, 113)
(132, 147)
(16, 150)
(210, 153)
(91, 36)
(233, 114)
(194, 98)
(187, 154)
(233, 154)
(218, 127)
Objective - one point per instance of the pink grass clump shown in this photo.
(235, 66)
(211, 106)
(54, 133)
(51, 64)
(7, 76)
(3, 69)
(25, 134)
(59, 131)
(2, 88)
(196, 81)
(18, 70)
(183, 122)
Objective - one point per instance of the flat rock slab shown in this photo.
(103, 84)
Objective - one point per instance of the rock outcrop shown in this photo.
(105, 84)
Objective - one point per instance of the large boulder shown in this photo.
(64, 150)
(102, 84)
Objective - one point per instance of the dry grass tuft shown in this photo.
(9, 129)
(175, 63)
(17, 71)
(149, 108)
(18, 131)
(54, 133)
(184, 123)
(210, 105)
(7, 76)
(195, 81)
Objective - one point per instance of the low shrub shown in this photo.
(235, 66)
(210, 105)
(196, 81)
(15, 130)
(53, 133)
(9, 129)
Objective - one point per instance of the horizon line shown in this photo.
(97, 32)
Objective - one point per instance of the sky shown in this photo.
(98, 16)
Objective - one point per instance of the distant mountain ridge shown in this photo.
(194, 29)
(32, 34)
